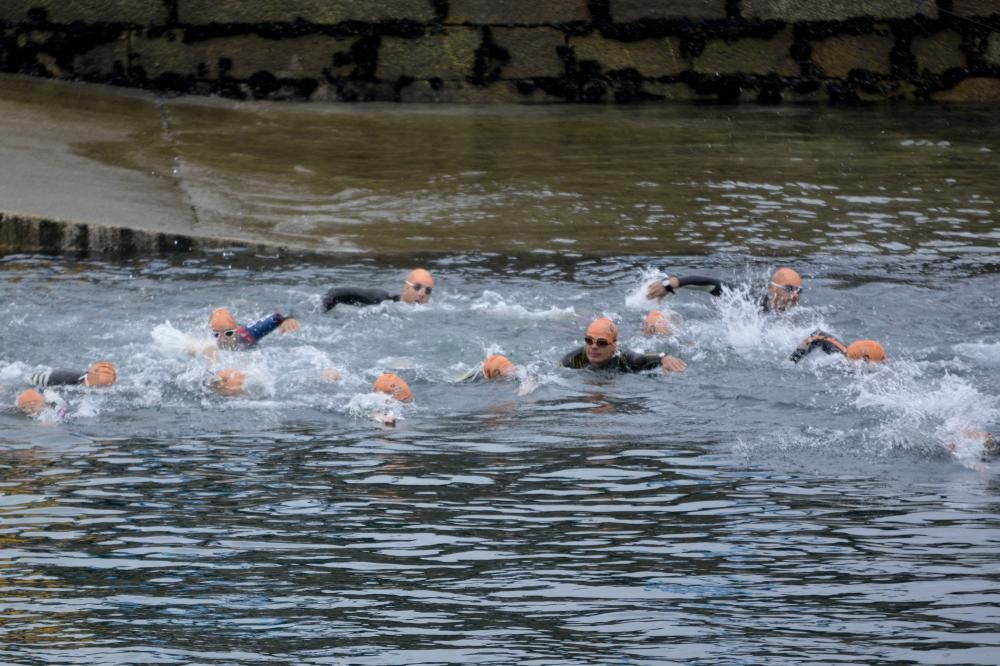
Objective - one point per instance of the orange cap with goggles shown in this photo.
(497, 366)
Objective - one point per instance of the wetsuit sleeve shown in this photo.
(630, 361)
(356, 296)
(699, 282)
(818, 339)
(576, 359)
(58, 378)
(263, 326)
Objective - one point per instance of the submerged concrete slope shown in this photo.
(477, 51)
(89, 169)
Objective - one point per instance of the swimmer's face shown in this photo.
(417, 287)
(784, 289)
(226, 339)
(601, 341)
(600, 350)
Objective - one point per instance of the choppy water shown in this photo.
(748, 511)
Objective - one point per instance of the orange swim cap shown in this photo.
(30, 402)
(222, 320)
(395, 386)
(101, 373)
(497, 366)
(656, 323)
(602, 327)
(866, 350)
(228, 382)
(787, 276)
(421, 275)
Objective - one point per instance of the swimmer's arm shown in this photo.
(818, 339)
(630, 361)
(264, 325)
(355, 296)
(697, 282)
(57, 378)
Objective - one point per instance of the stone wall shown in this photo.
(473, 51)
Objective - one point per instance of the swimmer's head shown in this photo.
(498, 366)
(224, 328)
(393, 385)
(866, 350)
(784, 289)
(656, 323)
(222, 320)
(228, 382)
(102, 373)
(417, 287)
(601, 341)
(30, 402)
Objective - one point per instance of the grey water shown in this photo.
(747, 511)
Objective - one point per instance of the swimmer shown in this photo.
(868, 351)
(32, 403)
(656, 323)
(102, 373)
(228, 382)
(395, 387)
(783, 291)
(231, 336)
(600, 351)
(495, 366)
(416, 289)
(986, 441)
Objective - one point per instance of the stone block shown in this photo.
(670, 91)
(328, 12)
(837, 56)
(975, 7)
(749, 56)
(650, 57)
(100, 61)
(301, 57)
(835, 10)
(939, 52)
(139, 12)
(992, 54)
(532, 52)
(448, 57)
(517, 12)
(978, 89)
(627, 11)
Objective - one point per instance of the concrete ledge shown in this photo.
(29, 234)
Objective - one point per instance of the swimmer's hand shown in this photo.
(672, 364)
(331, 375)
(818, 338)
(209, 350)
(289, 326)
(658, 289)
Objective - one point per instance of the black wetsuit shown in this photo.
(356, 296)
(623, 361)
(713, 287)
(58, 378)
